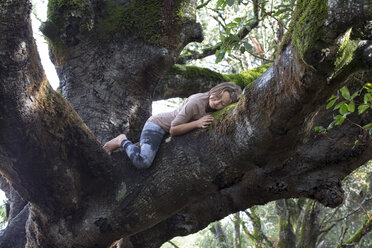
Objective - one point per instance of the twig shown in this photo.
(342, 237)
(346, 216)
(174, 245)
(203, 4)
(258, 57)
(263, 10)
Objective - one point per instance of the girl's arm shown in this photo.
(183, 128)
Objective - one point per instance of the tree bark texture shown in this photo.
(261, 150)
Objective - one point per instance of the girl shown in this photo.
(192, 114)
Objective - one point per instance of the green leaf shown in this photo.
(242, 49)
(230, 2)
(344, 109)
(238, 20)
(248, 47)
(331, 103)
(278, 13)
(367, 126)
(367, 97)
(283, 17)
(362, 108)
(351, 107)
(220, 3)
(220, 54)
(339, 120)
(228, 31)
(355, 94)
(370, 131)
(345, 92)
(234, 37)
(332, 97)
(338, 105)
(228, 49)
(330, 126)
(248, 28)
(319, 129)
(231, 24)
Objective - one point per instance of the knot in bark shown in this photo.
(330, 195)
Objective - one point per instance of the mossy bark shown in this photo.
(183, 81)
(131, 44)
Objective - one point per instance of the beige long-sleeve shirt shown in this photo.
(193, 108)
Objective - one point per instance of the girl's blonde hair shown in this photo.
(233, 89)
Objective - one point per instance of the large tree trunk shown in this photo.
(259, 151)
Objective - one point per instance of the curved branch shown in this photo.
(14, 235)
(183, 81)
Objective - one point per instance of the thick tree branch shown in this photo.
(183, 81)
(254, 153)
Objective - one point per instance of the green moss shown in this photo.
(244, 79)
(345, 52)
(184, 10)
(195, 72)
(218, 114)
(142, 19)
(56, 23)
(59, 49)
(55, 5)
(306, 25)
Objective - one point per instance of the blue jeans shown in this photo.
(151, 137)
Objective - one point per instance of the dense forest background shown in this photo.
(242, 35)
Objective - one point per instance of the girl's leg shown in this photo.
(114, 144)
(151, 138)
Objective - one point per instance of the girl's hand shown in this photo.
(205, 121)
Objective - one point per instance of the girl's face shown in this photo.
(218, 103)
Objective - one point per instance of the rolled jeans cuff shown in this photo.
(125, 143)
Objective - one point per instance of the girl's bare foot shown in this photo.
(114, 144)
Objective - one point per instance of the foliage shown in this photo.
(3, 218)
(346, 103)
(243, 34)
(141, 19)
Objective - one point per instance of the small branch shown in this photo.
(325, 220)
(343, 237)
(203, 4)
(325, 231)
(242, 33)
(266, 13)
(359, 234)
(174, 245)
(258, 57)
(257, 227)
